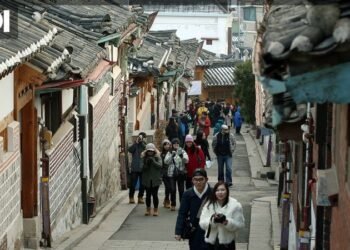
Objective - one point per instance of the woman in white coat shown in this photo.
(221, 217)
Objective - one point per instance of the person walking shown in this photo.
(202, 142)
(221, 218)
(196, 158)
(172, 129)
(237, 120)
(136, 168)
(151, 177)
(176, 159)
(190, 207)
(228, 115)
(224, 144)
(204, 124)
(166, 147)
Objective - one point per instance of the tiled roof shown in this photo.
(156, 46)
(198, 6)
(219, 74)
(204, 57)
(79, 27)
(31, 44)
(292, 29)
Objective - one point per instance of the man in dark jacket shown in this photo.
(191, 204)
(224, 143)
(136, 167)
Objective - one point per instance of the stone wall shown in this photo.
(11, 225)
(106, 169)
(64, 182)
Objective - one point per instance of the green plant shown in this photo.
(245, 90)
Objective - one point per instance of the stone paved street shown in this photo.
(142, 232)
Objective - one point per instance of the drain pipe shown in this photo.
(84, 147)
(304, 232)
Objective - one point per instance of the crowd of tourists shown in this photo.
(207, 217)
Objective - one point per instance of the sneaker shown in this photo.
(172, 208)
(131, 200)
(140, 200)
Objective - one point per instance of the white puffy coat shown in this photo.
(225, 233)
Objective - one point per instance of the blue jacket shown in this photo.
(190, 204)
(237, 119)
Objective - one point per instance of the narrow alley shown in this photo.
(126, 227)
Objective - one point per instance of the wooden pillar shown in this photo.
(29, 158)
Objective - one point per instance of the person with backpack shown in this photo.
(176, 158)
(224, 144)
(196, 158)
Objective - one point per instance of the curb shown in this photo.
(75, 236)
(267, 235)
(258, 146)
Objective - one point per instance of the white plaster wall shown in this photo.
(6, 95)
(132, 110)
(196, 25)
(292, 241)
(67, 99)
(144, 116)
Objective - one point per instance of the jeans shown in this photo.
(133, 180)
(180, 181)
(227, 161)
(152, 191)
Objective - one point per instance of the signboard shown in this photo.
(196, 88)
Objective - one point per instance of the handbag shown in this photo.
(188, 229)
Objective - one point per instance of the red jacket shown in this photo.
(205, 126)
(196, 159)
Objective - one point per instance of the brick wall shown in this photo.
(340, 225)
(11, 227)
(64, 185)
(105, 141)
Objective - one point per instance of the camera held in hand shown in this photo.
(149, 160)
(219, 218)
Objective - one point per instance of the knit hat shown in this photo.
(166, 141)
(188, 138)
(175, 141)
(200, 172)
(150, 147)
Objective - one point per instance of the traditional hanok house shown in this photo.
(144, 68)
(180, 67)
(218, 81)
(73, 122)
(196, 85)
(189, 52)
(159, 71)
(19, 167)
(304, 66)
